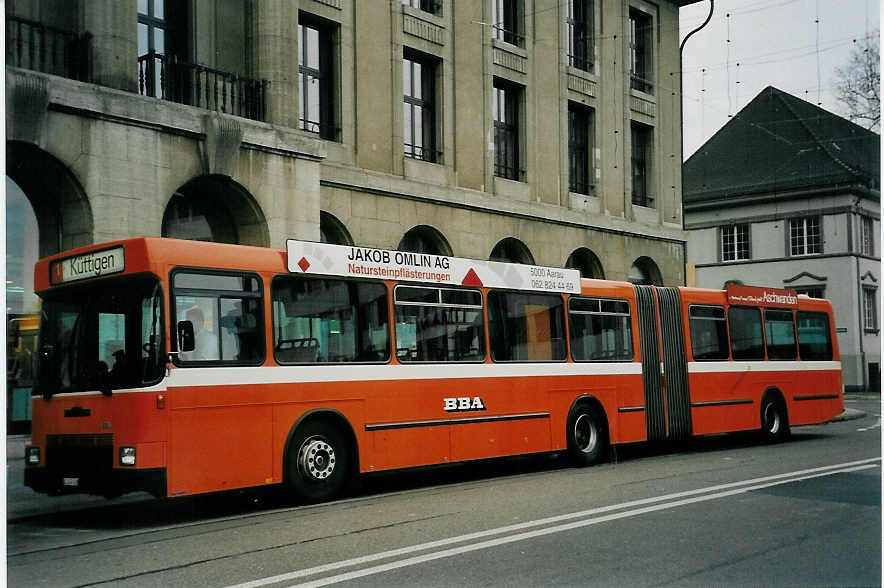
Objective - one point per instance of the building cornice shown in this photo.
(733, 198)
(791, 259)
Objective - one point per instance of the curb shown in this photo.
(849, 414)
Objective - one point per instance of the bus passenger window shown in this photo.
(814, 336)
(780, 334)
(241, 339)
(708, 333)
(439, 324)
(747, 342)
(601, 330)
(317, 320)
(226, 313)
(526, 327)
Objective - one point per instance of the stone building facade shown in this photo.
(535, 131)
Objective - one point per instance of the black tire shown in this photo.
(587, 435)
(318, 462)
(774, 420)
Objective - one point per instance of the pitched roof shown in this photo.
(780, 143)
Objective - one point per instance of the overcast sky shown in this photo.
(793, 45)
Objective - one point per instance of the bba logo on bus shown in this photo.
(463, 403)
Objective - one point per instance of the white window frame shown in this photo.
(800, 244)
(870, 309)
(867, 232)
(738, 252)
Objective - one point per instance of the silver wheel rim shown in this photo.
(316, 459)
(772, 419)
(585, 434)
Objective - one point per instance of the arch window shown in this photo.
(191, 218)
(424, 239)
(215, 208)
(587, 262)
(333, 231)
(511, 250)
(644, 272)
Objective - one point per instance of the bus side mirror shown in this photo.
(186, 339)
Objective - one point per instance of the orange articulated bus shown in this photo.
(180, 367)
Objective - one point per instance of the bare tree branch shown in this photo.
(857, 84)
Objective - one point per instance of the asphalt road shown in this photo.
(723, 510)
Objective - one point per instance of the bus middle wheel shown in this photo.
(318, 462)
(774, 420)
(587, 435)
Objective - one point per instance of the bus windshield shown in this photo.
(102, 336)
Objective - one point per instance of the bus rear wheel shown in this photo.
(774, 420)
(587, 435)
(318, 465)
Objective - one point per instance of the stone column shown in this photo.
(114, 29)
(275, 42)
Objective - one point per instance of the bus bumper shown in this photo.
(109, 483)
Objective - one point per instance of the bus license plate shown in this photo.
(71, 481)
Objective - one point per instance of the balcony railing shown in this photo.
(163, 76)
(33, 45)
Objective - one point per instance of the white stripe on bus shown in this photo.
(327, 373)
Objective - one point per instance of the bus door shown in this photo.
(667, 378)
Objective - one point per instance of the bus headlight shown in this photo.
(32, 455)
(127, 456)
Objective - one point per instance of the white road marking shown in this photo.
(875, 426)
(588, 518)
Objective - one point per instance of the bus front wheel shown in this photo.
(587, 435)
(318, 462)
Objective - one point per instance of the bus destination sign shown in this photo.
(755, 295)
(89, 265)
(305, 257)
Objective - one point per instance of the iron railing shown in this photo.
(163, 76)
(35, 46)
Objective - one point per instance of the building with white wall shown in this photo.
(787, 195)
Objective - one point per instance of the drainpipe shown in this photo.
(681, 124)
(861, 331)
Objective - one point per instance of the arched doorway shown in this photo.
(46, 212)
(215, 208)
(511, 250)
(333, 231)
(64, 217)
(22, 251)
(587, 262)
(644, 272)
(424, 239)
